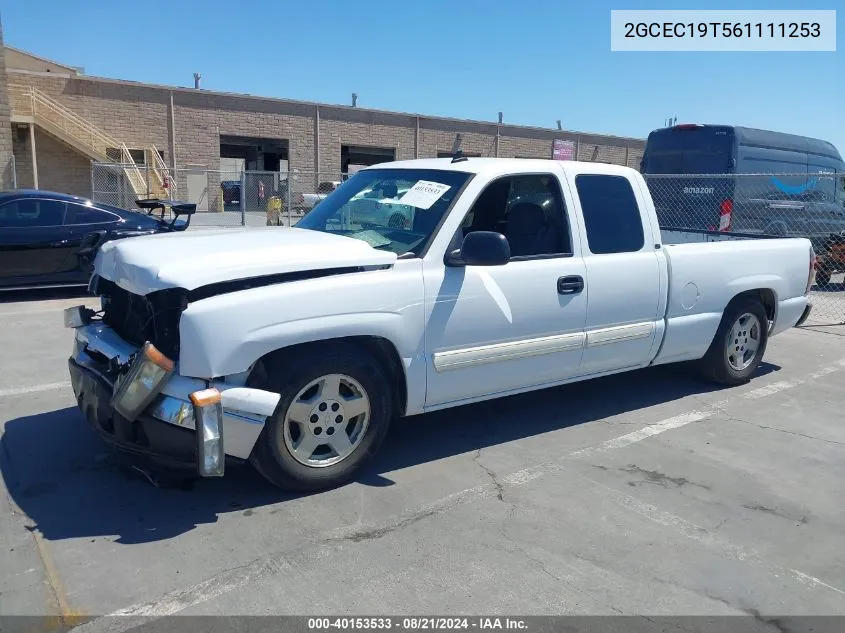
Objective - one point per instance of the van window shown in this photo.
(611, 214)
(704, 150)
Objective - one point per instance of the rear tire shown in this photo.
(822, 278)
(337, 399)
(739, 344)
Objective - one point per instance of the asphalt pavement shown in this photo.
(648, 493)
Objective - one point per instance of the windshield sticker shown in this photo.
(373, 238)
(424, 194)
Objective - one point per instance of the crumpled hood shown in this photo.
(197, 258)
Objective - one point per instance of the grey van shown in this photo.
(745, 180)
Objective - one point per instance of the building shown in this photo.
(57, 122)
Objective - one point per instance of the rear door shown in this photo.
(824, 211)
(81, 220)
(31, 240)
(624, 286)
(772, 191)
(687, 169)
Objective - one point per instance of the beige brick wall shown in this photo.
(361, 128)
(139, 114)
(23, 161)
(6, 155)
(134, 114)
(61, 168)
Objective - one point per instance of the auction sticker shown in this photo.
(424, 194)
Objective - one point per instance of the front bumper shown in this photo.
(165, 430)
(164, 443)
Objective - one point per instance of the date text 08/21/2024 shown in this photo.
(416, 623)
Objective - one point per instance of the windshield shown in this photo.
(689, 151)
(391, 209)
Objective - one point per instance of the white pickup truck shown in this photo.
(293, 348)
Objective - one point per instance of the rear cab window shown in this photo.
(611, 214)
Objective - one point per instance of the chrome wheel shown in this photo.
(327, 420)
(743, 341)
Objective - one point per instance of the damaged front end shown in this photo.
(124, 373)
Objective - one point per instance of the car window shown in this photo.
(82, 214)
(32, 213)
(611, 214)
(528, 210)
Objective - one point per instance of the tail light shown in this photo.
(811, 276)
(726, 215)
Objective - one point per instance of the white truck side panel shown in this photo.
(704, 277)
(228, 333)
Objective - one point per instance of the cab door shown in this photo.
(499, 329)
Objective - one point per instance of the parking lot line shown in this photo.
(701, 534)
(22, 391)
(261, 568)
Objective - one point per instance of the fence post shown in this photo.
(147, 169)
(93, 194)
(242, 200)
(290, 184)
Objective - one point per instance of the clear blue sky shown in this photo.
(537, 60)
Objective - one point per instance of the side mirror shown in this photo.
(481, 248)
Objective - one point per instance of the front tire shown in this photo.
(739, 344)
(333, 416)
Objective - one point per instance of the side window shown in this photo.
(528, 210)
(32, 213)
(611, 214)
(81, 214)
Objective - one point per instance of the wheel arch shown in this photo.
(766, 296)
(382, 350)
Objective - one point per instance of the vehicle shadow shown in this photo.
(71, 485)
(44, 294)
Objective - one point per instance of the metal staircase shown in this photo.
(33, 106)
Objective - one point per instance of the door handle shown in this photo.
(60, 243)
(570, 285)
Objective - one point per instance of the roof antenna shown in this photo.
(458, 156)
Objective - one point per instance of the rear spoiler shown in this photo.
(176, 208)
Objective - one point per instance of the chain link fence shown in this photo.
(223, 198)
(765, 206)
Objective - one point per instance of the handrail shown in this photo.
(132, 171)
(99, 141)
(53, 114)
(161, 169)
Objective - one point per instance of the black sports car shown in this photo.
(48, 239)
